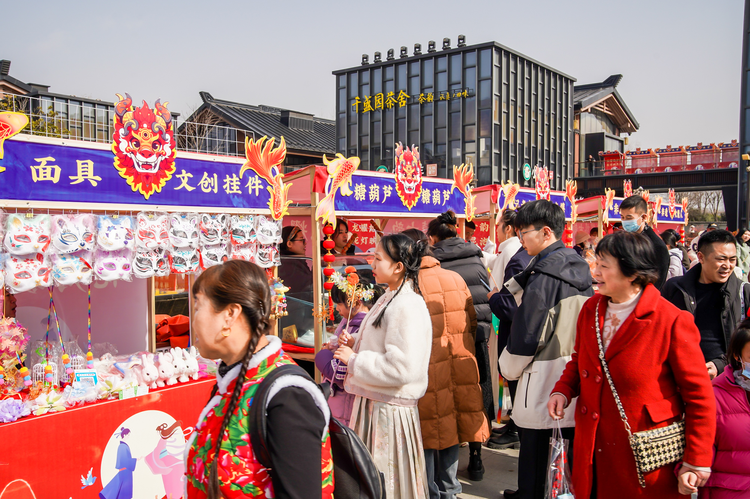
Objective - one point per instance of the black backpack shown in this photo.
(355, 474)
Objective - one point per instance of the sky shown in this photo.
(681, 60)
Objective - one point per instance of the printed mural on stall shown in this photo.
(125, 448)
(145, 169)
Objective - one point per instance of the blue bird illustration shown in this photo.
(89, 480)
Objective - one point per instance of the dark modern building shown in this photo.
(743, 215)
(220, 127)
(601, 118)
(483, 104)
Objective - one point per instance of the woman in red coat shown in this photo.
(653, 353)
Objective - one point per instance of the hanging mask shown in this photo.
(115, 233)
(72, 269)
(72, 233)
(184, 260)
(153, 231)
(245, 252)
(214, 229)
(150, 263)
(213, 255)
(113, 265)
(267, 255)
(269, 230)
(183, 231)
(242, 229)
(25, 236)
(24, 274)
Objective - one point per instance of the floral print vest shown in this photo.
(240, 473)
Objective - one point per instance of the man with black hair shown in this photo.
(634, 212)
(550, 292)
(469, 228)
(713, 294)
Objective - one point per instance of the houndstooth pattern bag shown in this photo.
(652, 449)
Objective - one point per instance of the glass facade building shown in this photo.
(483, 104)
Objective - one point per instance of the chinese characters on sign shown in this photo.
(391, 100)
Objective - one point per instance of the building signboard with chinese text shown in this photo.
(390, 100)
(526, 195)
(52, 170)
(376, 193)
(662, 216)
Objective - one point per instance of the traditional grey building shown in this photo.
(483, 104)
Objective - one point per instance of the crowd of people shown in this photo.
(652, 335)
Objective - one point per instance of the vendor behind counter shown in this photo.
(296, 272)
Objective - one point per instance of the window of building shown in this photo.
(427, 128)
(470, 78)
(470, 59)
(414, 117)
(485, 93)
(365, 76)
(428, 73)
(455, 71)
(470, 110)
(455, 147)
(485, 63)
(454, 131)
(441, 136)
(442, 63)
(389, 72)
(442, 82)
(485, 123)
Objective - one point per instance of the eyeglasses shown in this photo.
(521, 234)
(298, 240)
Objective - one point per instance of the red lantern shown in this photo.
(328, 229)
(329, 244)
(328, 272)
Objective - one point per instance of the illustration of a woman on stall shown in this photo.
(121, 486)
(167, 459)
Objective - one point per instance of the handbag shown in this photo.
(652, 449)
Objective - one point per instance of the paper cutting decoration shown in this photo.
(541, 183)
(607, 200)
(340, 171)
(571, 188)
(266, 162)
(462, 177)
(627, 188)
(672, 203)
(10, 124)
(143, 144)
(408, 172)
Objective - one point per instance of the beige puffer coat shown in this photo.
(451, 410)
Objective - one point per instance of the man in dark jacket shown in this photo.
(634, 212)
(465, 258)
(713, 294)
(551, 292)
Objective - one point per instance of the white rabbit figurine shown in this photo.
(147, 373)
(191, 363)
(178, 361)
(166, 370)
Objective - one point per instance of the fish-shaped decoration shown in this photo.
(510, 191)
(609, 197)
(266, 162)
(462, 177)
(571, 188)
(340, 171)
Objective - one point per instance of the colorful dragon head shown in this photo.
(408, 175)
(266, 162)
(541, 183)
(462, 177)
(143, 144)
(672, 203)
(627, 188)
(571, 189)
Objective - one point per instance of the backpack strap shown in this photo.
(743, 310)
(257, 415)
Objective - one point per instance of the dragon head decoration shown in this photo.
(672, 203)
(143, 144)
(571, 189)
(627, 188)
(462, 177)
(408, 175)
(541, 183)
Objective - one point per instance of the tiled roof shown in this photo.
(302, 132)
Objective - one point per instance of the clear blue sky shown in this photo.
(681, 60)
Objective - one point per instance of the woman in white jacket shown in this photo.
(387, 369)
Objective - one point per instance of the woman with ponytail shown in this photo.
(387, 369)
(232, 302)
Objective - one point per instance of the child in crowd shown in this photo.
(352, 304)
(388, 372)
(730, 472)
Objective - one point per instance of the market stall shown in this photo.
(96, 239)
(370, 202)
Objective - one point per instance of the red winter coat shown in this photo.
(730, 476)
(658, 370)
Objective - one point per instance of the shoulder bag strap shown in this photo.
(623, 417)
(742, 302)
